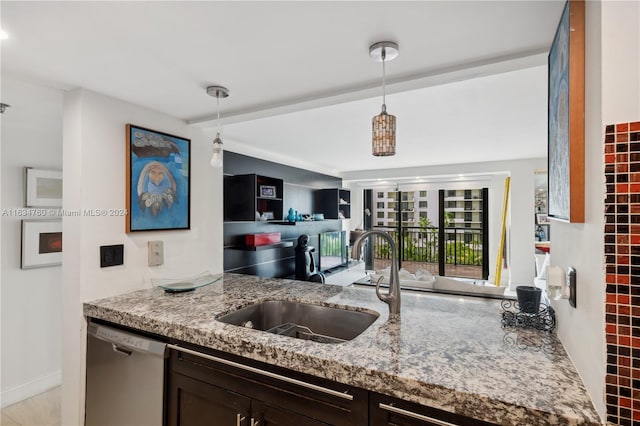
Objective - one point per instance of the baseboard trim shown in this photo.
(31, 388)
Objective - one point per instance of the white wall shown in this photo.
(612, 96)
(521, 201)
(31, 301)
(94, 177)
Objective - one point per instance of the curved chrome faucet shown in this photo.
(392, 298)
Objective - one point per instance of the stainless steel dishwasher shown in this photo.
(125, 378)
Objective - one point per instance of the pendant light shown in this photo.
(218, 92)
(383, 125)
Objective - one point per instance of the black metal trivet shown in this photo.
(543, 320)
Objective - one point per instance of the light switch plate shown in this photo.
(156, 253)
(571, 283)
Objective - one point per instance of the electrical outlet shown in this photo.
(156, 253)
(571, 283)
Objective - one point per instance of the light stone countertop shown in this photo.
(446, 352)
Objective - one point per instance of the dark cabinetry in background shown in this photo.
(244, 195)
(333, 203)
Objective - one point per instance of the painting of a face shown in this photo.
(156, 174)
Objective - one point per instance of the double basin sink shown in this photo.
(323, 324)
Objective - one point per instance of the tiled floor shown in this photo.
(41, 410)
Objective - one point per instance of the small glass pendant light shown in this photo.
(216, 157)
(383, 141)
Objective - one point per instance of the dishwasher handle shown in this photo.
(127, 343)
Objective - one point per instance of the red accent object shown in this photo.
(262, 239)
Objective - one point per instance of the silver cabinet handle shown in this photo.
(343, 395)
(239, 419)
(254, 422)
(413, 415)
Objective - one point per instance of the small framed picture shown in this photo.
(268, 215)
(43, 188)
(41, 243)
(267, 191)
(542, 219)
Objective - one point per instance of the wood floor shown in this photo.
(40, 410)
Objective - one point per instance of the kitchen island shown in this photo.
(445, 352)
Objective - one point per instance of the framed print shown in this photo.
(566, 117)
(43, 188)
(41, 243)
(542, 219)
(158, 180)
(267, 191)
(268, 215)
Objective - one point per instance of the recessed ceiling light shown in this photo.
(3, 35)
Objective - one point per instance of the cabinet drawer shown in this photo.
(320, 399)
(385, 410)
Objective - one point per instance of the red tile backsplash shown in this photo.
(622, 265)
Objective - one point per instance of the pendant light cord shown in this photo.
(384, 54)
(218, 108)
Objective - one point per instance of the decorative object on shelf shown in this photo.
(267, 216)
(43, 188)
(41, 243)
(268, 191)
(291, 216)
(262, 238)
(217, 92)
(566, 116)
(318, 216)
(158, 180)
(512, 316)
(542, 219)
(384, 125)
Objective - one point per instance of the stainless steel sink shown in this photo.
(319, 323)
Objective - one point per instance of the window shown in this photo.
(424, 214)
(380, 205)
(380, 194)
(423, 194)
(380, 223)
(422, 204)
(380, 215)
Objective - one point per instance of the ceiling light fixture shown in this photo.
(3, 35)
(384, 125)
(217, 92)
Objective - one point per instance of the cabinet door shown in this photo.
(195, 403)
(269, 415)
(385, 410)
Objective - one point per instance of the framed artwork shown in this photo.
(566, 117)
(267, 191)
(542, 219)
(158, 180)
(268, 215)
(41, 243)
(43, 188)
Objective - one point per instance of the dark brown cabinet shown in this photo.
(333, 203)
(213, 385)
(246, 195)
(385, 410)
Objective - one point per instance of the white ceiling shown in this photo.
(302, 84)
